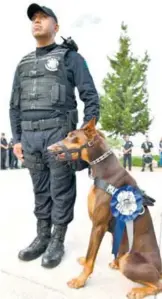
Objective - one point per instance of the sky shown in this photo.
(96, 29)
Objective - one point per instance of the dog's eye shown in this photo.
(71, 134)
(74, 139)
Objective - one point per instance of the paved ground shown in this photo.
(19, 280)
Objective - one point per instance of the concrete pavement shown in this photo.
(20, 280)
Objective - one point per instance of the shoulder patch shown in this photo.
(31, 54)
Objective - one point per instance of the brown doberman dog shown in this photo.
(142, 264)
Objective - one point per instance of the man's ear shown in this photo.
(89, 128)
(56, 28)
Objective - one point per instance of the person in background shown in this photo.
(147, 155)
(13, 161)
(3, 153)
(127, 152)
(160, 152)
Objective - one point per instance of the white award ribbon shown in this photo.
(129, 227)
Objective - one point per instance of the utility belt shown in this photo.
(71, 120)
(147, 157)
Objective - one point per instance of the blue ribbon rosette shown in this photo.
(126, 204)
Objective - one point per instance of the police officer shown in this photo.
(127, 152)
(43, 109)
(160, 152)
(13, 161)
(3, 151)
(147, 155)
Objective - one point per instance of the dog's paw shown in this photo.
(136, 293)
(81, 261)
(114, 265)
(75, 283)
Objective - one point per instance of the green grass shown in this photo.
(137, 160)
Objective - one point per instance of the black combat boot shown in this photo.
(151, 169)
(55, 250)
(40, 243)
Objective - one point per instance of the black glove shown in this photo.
(147, 200)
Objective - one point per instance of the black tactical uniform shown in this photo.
(43, 109)
(147, 156)
(128, 156)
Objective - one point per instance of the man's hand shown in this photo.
(17, 149)
(127, 151)
(3, 146)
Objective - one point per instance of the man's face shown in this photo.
(2, 135)
(127, 138)
(43, 26)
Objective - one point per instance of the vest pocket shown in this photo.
(58, 94)
(16, 96)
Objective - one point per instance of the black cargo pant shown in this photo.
(127, 157)
(13, 162)
(3, 157)
(54, 181)
(144, 164)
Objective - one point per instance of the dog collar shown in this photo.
(101, 158)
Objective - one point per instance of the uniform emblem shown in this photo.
(52, 64)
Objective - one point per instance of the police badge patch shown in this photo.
(52, 64)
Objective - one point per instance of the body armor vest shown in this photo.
(43, 82)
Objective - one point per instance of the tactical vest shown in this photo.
(147, 147)
(43, 82)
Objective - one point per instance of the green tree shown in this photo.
(115, 142)
(124, 102)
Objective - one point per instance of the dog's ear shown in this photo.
(89, 128)
(90, 125)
